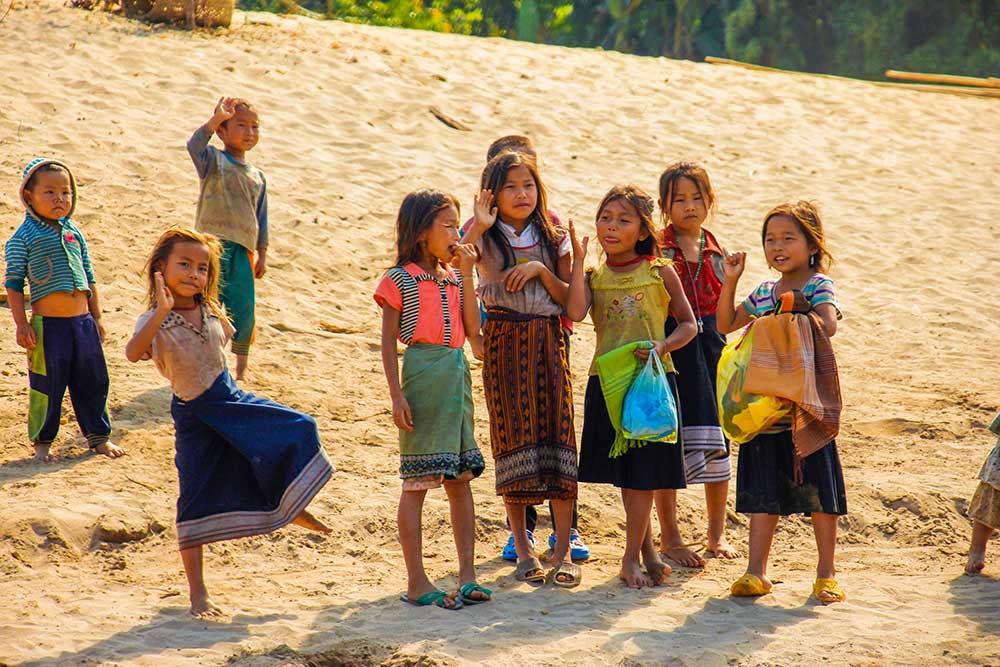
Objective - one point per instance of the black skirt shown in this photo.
(766, 478)
(657, 465)
(706, 451)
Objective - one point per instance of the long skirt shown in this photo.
(247, 465)
(985, 505)
(706, 452)
(530, 401)
(655, 465)
(437, 385)
(770, 479)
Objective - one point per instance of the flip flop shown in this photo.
(468, 589)
(530, 565)
(748, 586)
(831, 588)
(572, 570)
(433, 598)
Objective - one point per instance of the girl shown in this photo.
(431, 309)
(628, 297)
(984, 508)
(524, 267)
(247, 465)
(686, 199)
(771, 480)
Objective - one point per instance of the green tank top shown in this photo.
(628, 307)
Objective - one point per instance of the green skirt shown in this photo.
(437, 384)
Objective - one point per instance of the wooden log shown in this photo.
(942, 78)
(206, 13)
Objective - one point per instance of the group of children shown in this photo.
(512, 281)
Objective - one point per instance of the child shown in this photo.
(247, 465)
(578, 549)
(984, 508)
(523, 267)
(771, 480)
(232, 205)
(686, 199)
(64, 335)
(628, 297)
(430, 309)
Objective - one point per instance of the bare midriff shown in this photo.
(62, 304)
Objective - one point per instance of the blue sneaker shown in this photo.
(577, 549)
(510, 553)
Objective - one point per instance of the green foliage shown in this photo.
(851, 37)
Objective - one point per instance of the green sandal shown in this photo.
(435, 598)
(467, 590)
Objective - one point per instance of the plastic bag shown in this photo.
(743, 416)
(649, 412)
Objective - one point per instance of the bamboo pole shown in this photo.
(942, 78)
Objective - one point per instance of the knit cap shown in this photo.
(33, 167)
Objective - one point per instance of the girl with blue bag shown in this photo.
(629, 297)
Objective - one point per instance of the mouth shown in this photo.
(780, 258)
(610, 240)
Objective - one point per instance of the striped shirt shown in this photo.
(818, 289)
(430, 310)
(52, 260)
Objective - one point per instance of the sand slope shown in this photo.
(908, 183)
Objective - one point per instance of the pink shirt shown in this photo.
(430, 309)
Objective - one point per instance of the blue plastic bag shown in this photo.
(649, 412)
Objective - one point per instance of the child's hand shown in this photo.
(164, 299)
(224, 110)
(476, 343)
(659, 345)
(260, 266)
(519, 276)
(485, 211)
(465, 258)
(401, 414)
(100, 329)
(26, 336)
(734, 264)
(579, 247)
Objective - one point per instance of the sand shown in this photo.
(908, 183)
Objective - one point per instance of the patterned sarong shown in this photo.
(438, 386)
(530, 401)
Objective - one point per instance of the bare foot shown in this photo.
(977, 561)
(309, 522)
(658, 570)
(42, 452)
(242, 361)
(203, 607)
(109, 449)
(682, 555)
(633, 576)
(722, 549)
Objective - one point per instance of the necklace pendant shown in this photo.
(701, 327)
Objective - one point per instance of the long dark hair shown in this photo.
(161, 252)
(806, 216)
(643, 205)
(493, 179)
(416, 215)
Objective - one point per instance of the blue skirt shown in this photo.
(246, 465)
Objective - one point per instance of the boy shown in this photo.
(64, 335)
(578, 549)
(232, 205)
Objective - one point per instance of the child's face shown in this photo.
(241, 132)
(619, 228)
(786, 247)
(442, 237)
(51, 195)
(186, 268)
(518, 195)
(687, 210)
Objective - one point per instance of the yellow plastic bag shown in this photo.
(743, 416)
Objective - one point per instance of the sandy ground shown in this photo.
(908, 183)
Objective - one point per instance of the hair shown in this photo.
(668, 183)
(493, 179)
(806, 216)
(416, 216)
(238, 104)
(161, 251)
(634, 196)
(517, 143)
(45, 167)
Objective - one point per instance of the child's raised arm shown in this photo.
(137, 348)
(197, 145)
(390, 331)
(729, 317)
(485, 216)
(579, 296)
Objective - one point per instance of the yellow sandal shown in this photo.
(749, 586)
(831, 588)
